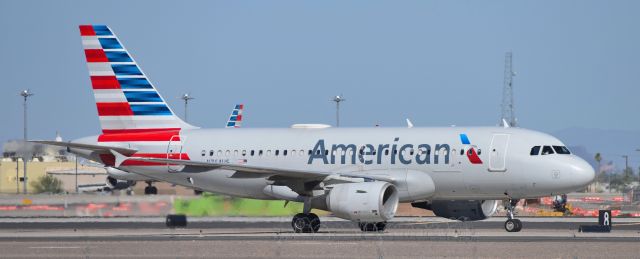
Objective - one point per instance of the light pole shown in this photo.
(338, 99)
(25, 94)
(186, 97)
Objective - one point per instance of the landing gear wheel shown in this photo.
(154, 190)
(197, 192)
(510, 225)
(305, 223)
(513, 225)
(372, 226)
(150, 190)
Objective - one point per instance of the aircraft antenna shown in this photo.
(508, 114)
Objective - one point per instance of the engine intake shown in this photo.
(366, 201)
(461, 210)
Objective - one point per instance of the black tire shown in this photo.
(372, 226)
(197, 192)
(315, 222)
(519, 225)
(147, 190)
(154, 190)
(301, 223)
(511, 225)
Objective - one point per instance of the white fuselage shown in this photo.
(507, 169)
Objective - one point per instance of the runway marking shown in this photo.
(55, 247)
(625, 224)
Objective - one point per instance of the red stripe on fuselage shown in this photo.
(87, 30)
(114, 109)
(95, 55)
(141, 136)
(105, 82)
(122, 131)
(109, 159)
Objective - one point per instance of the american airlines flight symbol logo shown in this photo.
(472, 154)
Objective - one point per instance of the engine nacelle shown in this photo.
(116, 184)
(366, 202)
(461, 210)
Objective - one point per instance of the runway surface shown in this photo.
(237, 237)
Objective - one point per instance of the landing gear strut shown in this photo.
(512, 224)
(150, 189)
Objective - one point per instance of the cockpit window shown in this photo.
(535, 151)
(546, 150)
(561, 150)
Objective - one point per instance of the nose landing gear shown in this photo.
(512, 224)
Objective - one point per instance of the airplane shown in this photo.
(357, 174)
(118, 179)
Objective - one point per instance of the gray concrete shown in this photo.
(272, 237)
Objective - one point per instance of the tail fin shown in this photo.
(126, 99)
(235, 118)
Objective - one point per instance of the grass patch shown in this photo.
(216, 205)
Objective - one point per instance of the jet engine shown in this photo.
(366, 201)
(116, 184)
(461, 210)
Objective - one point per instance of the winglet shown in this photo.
(505, 124)
(120, 158)
(409, 123)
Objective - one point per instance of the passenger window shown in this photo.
(411, 152)
(235, 152)
(293, 152)
(302, 152)
(546, 150)
(561, 150)
(244, 152)
(311, 151)
(252, 152)
(284, 152)
(535, 151)
(227, 153)
(277, 152)
(269, 152)
(326, 152)
(204, 152)
(386, 152)
(260, 153)
(479, 151)
(462, 151)
(219, 152)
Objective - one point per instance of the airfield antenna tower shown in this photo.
(508, 113)
(186, 98)
(338, 99)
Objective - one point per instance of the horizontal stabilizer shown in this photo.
(107, 149)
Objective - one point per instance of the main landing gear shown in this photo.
(372, 226)
(150, 189)
(306, 222)
(512, 224)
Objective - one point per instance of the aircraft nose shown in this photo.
(582, 172)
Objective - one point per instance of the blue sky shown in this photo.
(436, 62)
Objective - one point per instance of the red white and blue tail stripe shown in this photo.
(235, 118)
(126, 100)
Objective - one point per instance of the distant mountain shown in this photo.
(611, 144)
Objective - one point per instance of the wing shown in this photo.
(260, 170)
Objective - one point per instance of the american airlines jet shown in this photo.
(358, 174)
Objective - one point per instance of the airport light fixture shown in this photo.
(338, 99)
(25, 94)
(186, 98)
